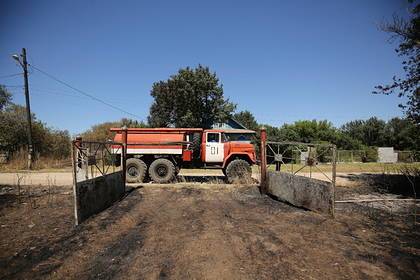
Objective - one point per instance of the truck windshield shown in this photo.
(238, 137)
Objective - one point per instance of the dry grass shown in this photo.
(19, 162)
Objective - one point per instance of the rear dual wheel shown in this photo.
(135, 170)
(162, 171)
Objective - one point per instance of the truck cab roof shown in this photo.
(239, 131)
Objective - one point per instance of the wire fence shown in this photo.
(371, 155)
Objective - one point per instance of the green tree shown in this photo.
(191, 98)
(401, 134)
(273, 133)
(101, 132)
(369, 132)
(374, 132)
(247, 119)
(407, 32)
(346, 142)
(5, 97)
(58, 143)
(310, 131)
(13, 131)
(354, 129)
(46, 141)
(13, 128)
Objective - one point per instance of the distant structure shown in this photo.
(387, 155)
(304, 157)
(229, 124)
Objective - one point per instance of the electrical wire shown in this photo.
(11, 75)
(12, 86)
(84, 93)
(56, 93)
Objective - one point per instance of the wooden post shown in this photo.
(124, 152)
(334, 176)
(24, 63)
(263, 151)
(311, 162)
(86, 162)
(75, 145)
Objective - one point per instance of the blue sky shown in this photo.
(282, 60)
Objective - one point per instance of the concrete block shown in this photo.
(96, 194)
(387, 155)
(302, 191)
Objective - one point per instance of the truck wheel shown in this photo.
(239, 171)
(162, 171)
(135, 170)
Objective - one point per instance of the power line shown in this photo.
(71, 93)
(56, 93)
(11, 75)
(59, 93)
(12, 86)
(85, 93)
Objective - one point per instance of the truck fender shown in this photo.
(241, 155)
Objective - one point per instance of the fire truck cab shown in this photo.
(160, 153)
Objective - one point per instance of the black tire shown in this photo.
(196, 145)
(135, 170)
(239, 171)
(162, 171)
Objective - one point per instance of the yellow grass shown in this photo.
(44, 164)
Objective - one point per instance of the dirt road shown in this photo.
(198, 232)
(64, 178)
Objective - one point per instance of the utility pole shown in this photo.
(24, 64)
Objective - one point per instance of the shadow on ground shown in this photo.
(397, 184)
(202, 179)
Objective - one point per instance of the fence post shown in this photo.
(76, 163)
(263, 151)
(278, 165)
(124, 152)
(334, 177)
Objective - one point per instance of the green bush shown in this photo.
(370, 154)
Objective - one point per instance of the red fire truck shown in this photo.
(160, 153)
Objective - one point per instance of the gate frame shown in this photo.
(76, 145)
(263, 163)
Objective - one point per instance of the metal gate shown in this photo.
(303, 174)
(98, 176)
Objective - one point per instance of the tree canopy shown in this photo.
(247, 119)
(400, 133)
(13, 131)
(191, 98)
(407, 32)
(5, 97)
